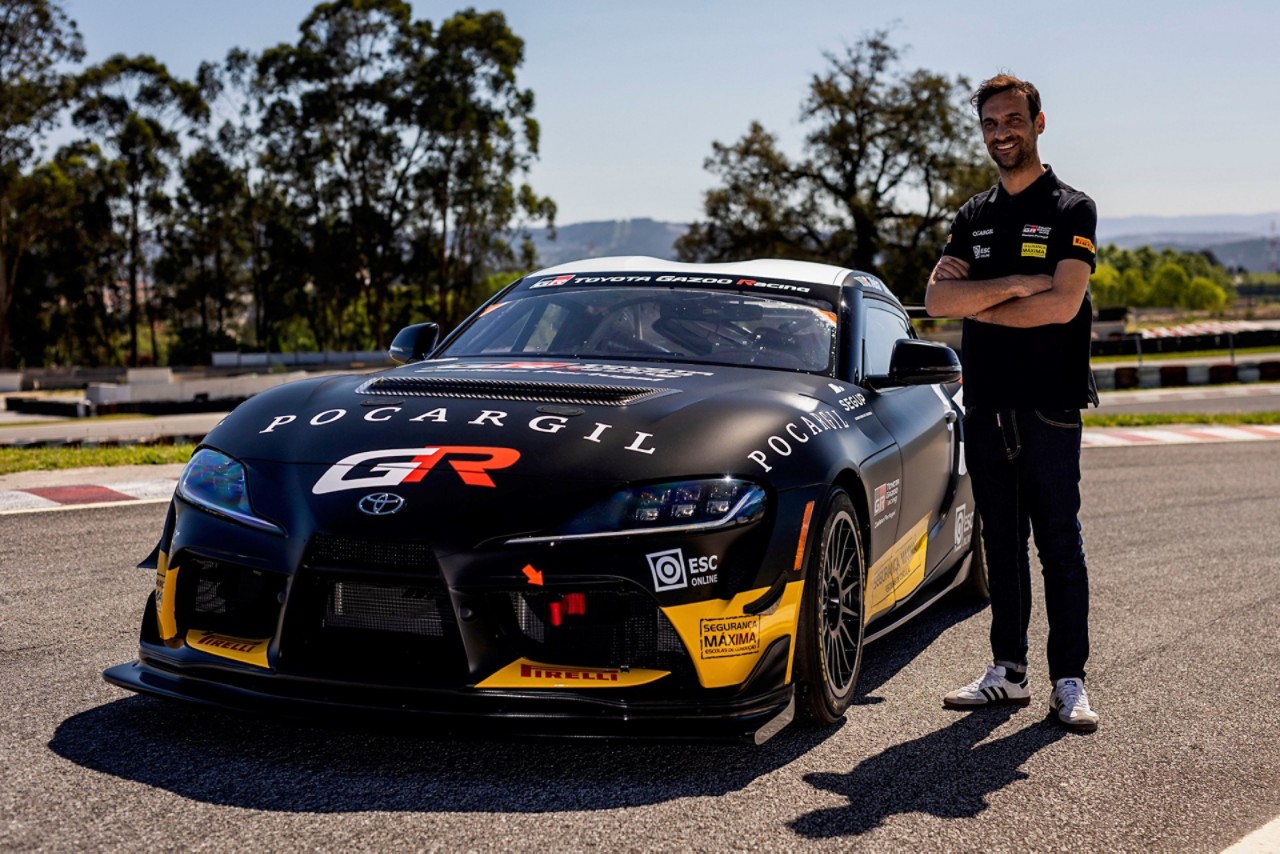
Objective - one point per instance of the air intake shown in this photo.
(533, 392)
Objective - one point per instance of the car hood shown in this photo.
(521, 441)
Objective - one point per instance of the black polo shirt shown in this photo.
(1042, 367)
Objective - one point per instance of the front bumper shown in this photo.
(752, 719)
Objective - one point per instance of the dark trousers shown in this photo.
(1025, 466)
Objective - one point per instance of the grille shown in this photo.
(386, 608)
(533, 392)
(619, 628)
(338, 551)
(224, 597)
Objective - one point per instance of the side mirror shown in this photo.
(916, 362)
(413, 343)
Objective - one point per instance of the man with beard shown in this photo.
(1016, 267)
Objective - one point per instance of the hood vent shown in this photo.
(532, 392)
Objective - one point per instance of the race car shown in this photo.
(626, 496)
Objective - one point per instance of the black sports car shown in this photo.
(625, 496)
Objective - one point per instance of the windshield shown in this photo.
(655, 324)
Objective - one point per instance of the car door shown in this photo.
(923, 423)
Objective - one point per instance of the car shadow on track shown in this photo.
(234, 760)
(948, 773)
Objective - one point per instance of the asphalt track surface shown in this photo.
(1185, 672)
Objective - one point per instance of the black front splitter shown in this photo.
(474, 712)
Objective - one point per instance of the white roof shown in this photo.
(764, 268)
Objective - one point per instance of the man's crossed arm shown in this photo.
(1018, 300)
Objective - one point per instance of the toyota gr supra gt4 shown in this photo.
(626, 496)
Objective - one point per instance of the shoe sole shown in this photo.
(1012, 701)
(1083, 726)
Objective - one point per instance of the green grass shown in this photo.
(1163, 418)
(46, 459)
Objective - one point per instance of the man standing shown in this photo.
(1016, 267)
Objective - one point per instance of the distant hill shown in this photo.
(1236, 240)
(608, 237)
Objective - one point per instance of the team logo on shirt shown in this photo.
(1077, 240)
(982, 252)
(1034, 250)
(984, 232)
(1036, 231)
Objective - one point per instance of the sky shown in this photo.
(1152, 107)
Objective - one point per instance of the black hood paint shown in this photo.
(698, 421)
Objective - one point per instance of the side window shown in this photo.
(884, 327)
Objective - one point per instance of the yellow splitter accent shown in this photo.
(523, 673)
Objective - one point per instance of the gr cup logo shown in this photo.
(668, 570)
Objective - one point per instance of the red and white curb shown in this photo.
(1114, 437)
(35, 499)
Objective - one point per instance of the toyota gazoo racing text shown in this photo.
(626, 496)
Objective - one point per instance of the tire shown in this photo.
(977, 587)
(832, 613)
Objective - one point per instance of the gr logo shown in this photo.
(668, 570)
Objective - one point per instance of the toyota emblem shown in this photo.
(381, 504)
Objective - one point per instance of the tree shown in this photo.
(402, 145)
(36, 37)
(139, 109)
(890, 156)
(68, 292)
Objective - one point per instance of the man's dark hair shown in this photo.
(1003, 83)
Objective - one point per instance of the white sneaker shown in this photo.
(992, 688)
(1071, 704)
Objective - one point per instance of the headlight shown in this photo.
(217, 483)
(684, 505)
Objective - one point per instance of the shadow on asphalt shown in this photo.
(233, 760)
(268, 764)
(947, 774)
(882, 660)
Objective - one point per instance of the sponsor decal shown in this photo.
(723, 671)
(855, 401)
(598, 280)
(381, 504)
(637, 442)
(391, 468)
(671, 571)
(1077, 240)
(980, 252)
(797, 432)
(1036, 231)
(1034, 250)
(964, 526)
(838, 389)
(886, 495)
(724, 637)
(552, 282)
(247, 650)
(523, 673)
(984, 232)
(773, 286)
(899, 570)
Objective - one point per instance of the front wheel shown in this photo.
(832, 612)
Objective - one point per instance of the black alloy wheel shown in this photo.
(832, 614)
